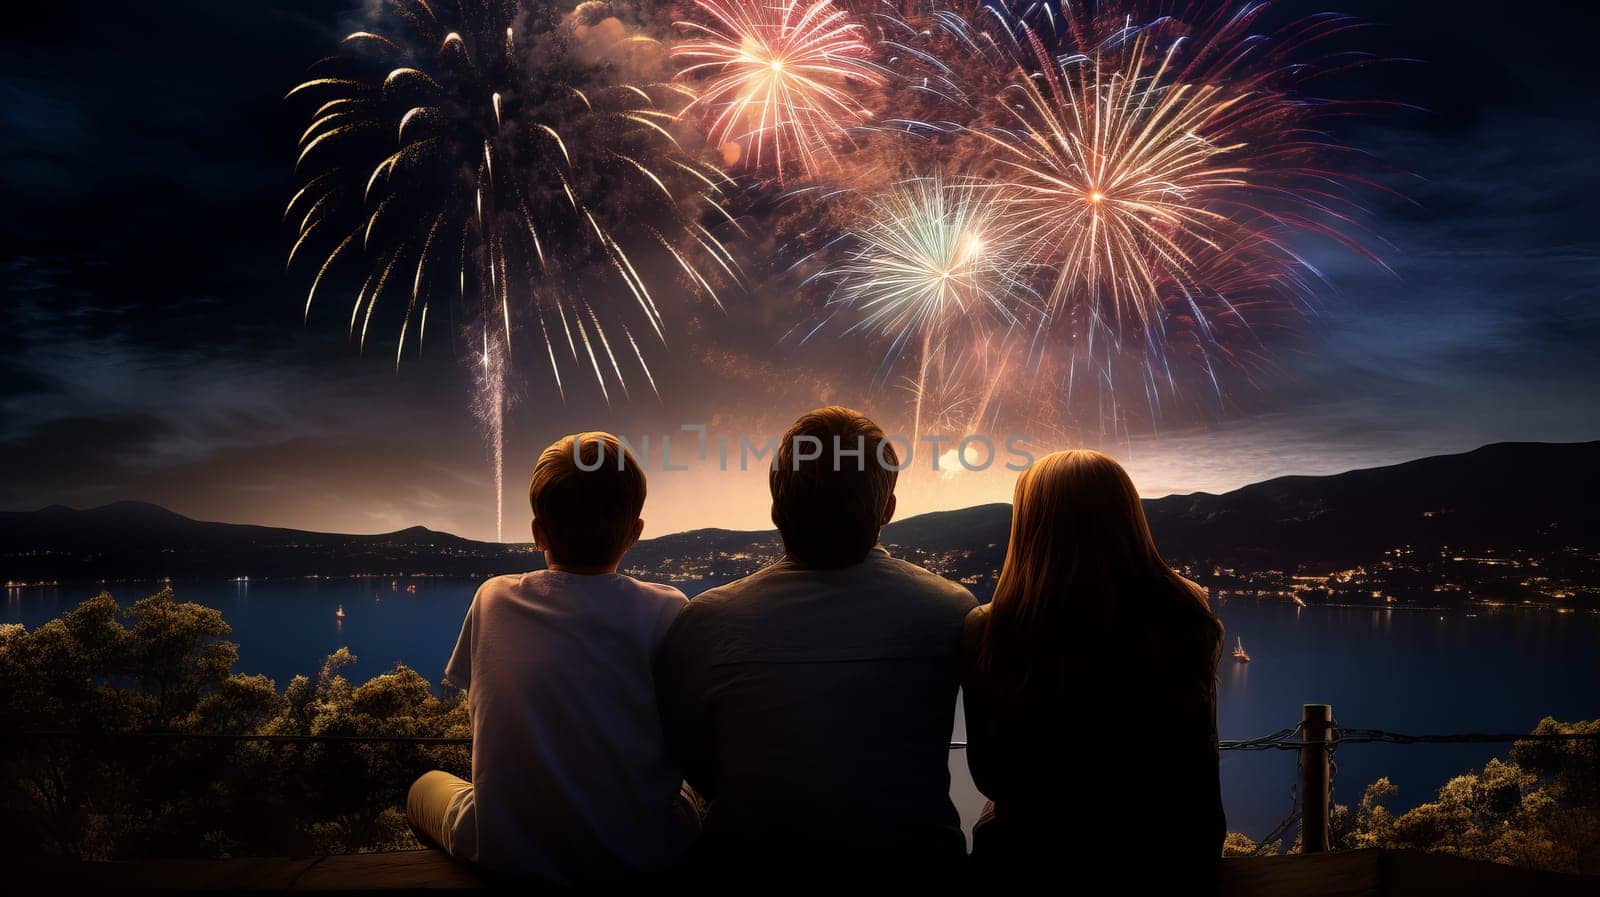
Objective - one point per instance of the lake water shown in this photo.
(1402, 670)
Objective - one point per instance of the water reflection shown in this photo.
(1238, 676)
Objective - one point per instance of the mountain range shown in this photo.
(1537, 497)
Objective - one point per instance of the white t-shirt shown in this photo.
(571, 778)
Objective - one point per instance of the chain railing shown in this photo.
(1311, 796)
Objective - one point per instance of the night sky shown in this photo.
(152, 345)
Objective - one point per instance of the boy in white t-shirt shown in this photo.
(571, 779)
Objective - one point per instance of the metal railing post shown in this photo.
(1316, 805)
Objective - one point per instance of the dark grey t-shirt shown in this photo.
(813, 708)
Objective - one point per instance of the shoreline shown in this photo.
(1470, 609)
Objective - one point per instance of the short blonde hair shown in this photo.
(586, 492)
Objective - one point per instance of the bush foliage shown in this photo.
(72, 691)
(1539, 808)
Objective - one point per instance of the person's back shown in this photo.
(812, 702)
(571, 779)
(1090, 691)
(1131, 742)
(826, 701)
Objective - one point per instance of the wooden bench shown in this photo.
(1359, 873)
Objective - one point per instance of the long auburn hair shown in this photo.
(1081, 564)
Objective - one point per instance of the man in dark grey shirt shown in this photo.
(811, 703)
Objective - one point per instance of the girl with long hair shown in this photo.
(1090, 690)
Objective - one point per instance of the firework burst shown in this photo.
(931, 265)
(467, 155)
(1165, 175)
(777, 80)
(927, 255)
(1113, 168)
(1122, 188)
(460, 159)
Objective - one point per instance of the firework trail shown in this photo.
(778, 78)
(472, 153)
(952, 58)
(489, 405)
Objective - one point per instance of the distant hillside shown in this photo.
(1505, 496)
(1502, 496)
(136, 540)
(1508, 495)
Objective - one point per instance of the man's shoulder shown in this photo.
(725, 595)
(746, 587)
(903, 577)
(912, 578)
(729, 599)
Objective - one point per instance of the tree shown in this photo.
(82, 693)
(178, 653)
(1539, 809)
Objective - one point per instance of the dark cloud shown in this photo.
(82, 459)
(16, 380)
